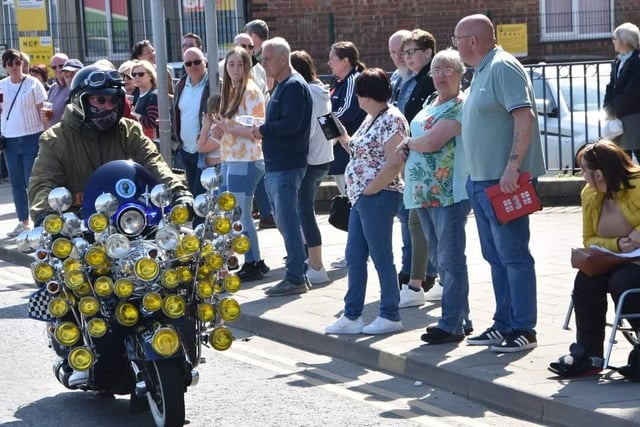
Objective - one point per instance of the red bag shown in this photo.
(510, 206)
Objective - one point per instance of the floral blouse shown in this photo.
(238, 149)
(435, 179)
(367, 151)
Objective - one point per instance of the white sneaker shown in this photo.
(382, 326)
(345, 325)
(411, 298)
(435, 293)
(19, 229)
(317, 277)
(339, 263)
(78, 378)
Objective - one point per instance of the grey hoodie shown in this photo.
(320, 150)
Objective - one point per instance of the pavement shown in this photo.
(516, 384)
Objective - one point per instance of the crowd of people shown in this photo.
(414, 145)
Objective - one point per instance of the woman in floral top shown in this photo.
(242, 104)
(374, 188)
(435, 176)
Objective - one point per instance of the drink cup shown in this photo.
(130, 99)
(47, 109)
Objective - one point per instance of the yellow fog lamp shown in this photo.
(173, 306)
(206, 313)
(123, 288)
(58, 307)
(229, 309)
(127, 314)
(221, 338)
(96, 257)
(214, 260)
(165, 342)
(53, 224)
(231, 283)
(67, 334)
(61, 247)
(146, 269)
(98, 222)
(70, 264)
(42, 272)
(221, 225)
(179, 214)
(83, 289)
(152, 301)
(207, 247)
(185, 275)
(88, 306)
(80, 358)
(97, 327)
(73, 278)
(241, 244)
(190, 243)
(170, 279)
(203, 272)
(103, 286)
(226, 201)
(204, 289)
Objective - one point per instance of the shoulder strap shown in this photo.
(15, 97)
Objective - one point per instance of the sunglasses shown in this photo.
(101, 100)
(247, 46)
(12, 63)
(127, 77)
(190, 63)
(55, 67)
(138, 74)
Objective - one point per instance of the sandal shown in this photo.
(576, 364)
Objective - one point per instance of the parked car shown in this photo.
(569, 101)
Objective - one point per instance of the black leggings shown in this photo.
(590, 303)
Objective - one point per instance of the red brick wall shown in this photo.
(306, 24)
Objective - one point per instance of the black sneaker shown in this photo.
(436, 335)
(264, 268)
(428, 283)
(489, 337)
(516, 341)
(468, 330)
(286, 287)
(250, 271)
(403, 279)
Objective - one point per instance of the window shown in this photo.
(576, 19)
(106, 24)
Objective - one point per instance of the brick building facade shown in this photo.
(314, 24)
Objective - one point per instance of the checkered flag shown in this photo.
(38, 305)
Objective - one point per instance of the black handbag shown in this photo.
(339, 212)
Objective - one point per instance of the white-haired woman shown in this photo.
(435, 176)
(623, 90)
(146, 107)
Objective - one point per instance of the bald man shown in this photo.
(501, 139)
(59, 91)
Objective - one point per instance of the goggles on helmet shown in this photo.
(100, 79)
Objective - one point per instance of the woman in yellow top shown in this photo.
(610, 219)
(242, 104)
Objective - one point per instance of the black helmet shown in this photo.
(95, 80)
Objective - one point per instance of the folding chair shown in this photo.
(616, 323)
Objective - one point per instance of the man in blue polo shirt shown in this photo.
(501, 139)
(285, 145)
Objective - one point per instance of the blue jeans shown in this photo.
(190, 163)
(307, 203)
(506, 248)
(262, 200)
(283, 188)
(241, 178)
(20, 154)
(403, 216)
(370, 234)
(444, 229)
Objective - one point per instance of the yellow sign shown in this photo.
(31, 15)
(513, 38)
(39, 49)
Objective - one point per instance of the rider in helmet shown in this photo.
(91, 133)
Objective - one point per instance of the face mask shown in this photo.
(102, 121)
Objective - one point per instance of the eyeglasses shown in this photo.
(101, 100)
(446, 71)
(190, 63)
(247, 46)
(12, 63)
(138, 74)
(55, 67)
(454, 39)
(411, 52)
(104, 78)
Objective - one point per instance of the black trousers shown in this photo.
(590, 303)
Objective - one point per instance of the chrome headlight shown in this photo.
(22, 243)
(201, 205)
(117, 246)
(210, 179)
(161, 196)
(131, 221)
(59, 199)
(35, 238)
(167, 238)
(106, 203)
(80, 246)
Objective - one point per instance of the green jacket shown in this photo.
(70, 152)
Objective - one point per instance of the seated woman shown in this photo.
(611, 219)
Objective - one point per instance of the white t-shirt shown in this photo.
(25, 115)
